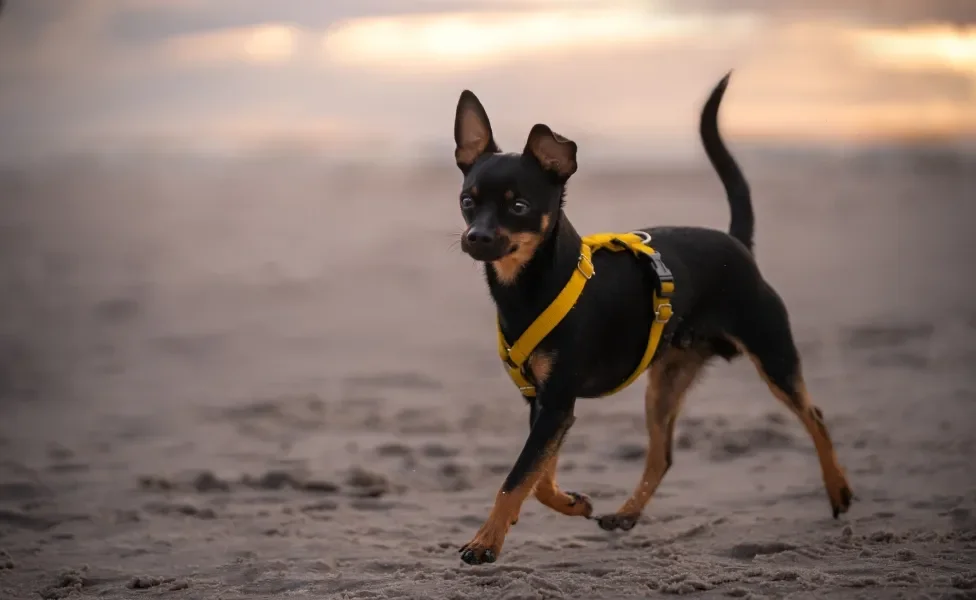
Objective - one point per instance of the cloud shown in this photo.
(876, 12)
(464, 40)
(47, 36)
(929, 47)
(387, 73)
(268, 43)
(157, 19)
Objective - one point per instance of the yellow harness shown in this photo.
(516, 355)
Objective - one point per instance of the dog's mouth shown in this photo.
(495, 252)
(512, 249)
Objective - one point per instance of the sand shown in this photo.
(275, 379)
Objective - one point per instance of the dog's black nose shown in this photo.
(479, 237)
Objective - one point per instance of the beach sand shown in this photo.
(274, 379)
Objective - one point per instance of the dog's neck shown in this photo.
(540, 279)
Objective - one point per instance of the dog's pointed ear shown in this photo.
(555, 153)
(472, 131)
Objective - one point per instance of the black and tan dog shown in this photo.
(581, 317)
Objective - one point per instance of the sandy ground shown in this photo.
(276, 380)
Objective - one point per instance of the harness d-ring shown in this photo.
(644, 236)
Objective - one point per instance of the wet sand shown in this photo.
(278, 380)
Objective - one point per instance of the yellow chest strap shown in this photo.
(516, 355)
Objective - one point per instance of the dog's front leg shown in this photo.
(544, 439)
(547, 491)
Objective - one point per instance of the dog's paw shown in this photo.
(838, 491)
(580, 504)
(840, 500)
(484, 547)
(615, 522)
(477, 555)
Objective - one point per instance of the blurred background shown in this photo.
(214, 204)
(156, 141)
(377, 79)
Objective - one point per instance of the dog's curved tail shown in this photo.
(743, 221)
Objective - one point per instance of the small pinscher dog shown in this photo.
(721, 306)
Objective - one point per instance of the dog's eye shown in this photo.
(467, 203)
(520, 208)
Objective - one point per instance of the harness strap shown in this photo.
(516, 355)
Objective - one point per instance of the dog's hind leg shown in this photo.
(669, 379)
(768, 341)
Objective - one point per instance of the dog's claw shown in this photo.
(474, 557)
(582, 501)
(844, 501)
(614, 522)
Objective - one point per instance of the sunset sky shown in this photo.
(381, 77)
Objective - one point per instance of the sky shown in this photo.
(380, 78)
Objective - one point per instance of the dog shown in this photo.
(715, 304)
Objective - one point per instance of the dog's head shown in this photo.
(509, 201)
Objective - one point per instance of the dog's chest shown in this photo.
(540, 365)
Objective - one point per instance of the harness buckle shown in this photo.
(663, 308)
(588, 273)
(663, 273)
(508, 359)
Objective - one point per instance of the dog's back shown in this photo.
(714, 271)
